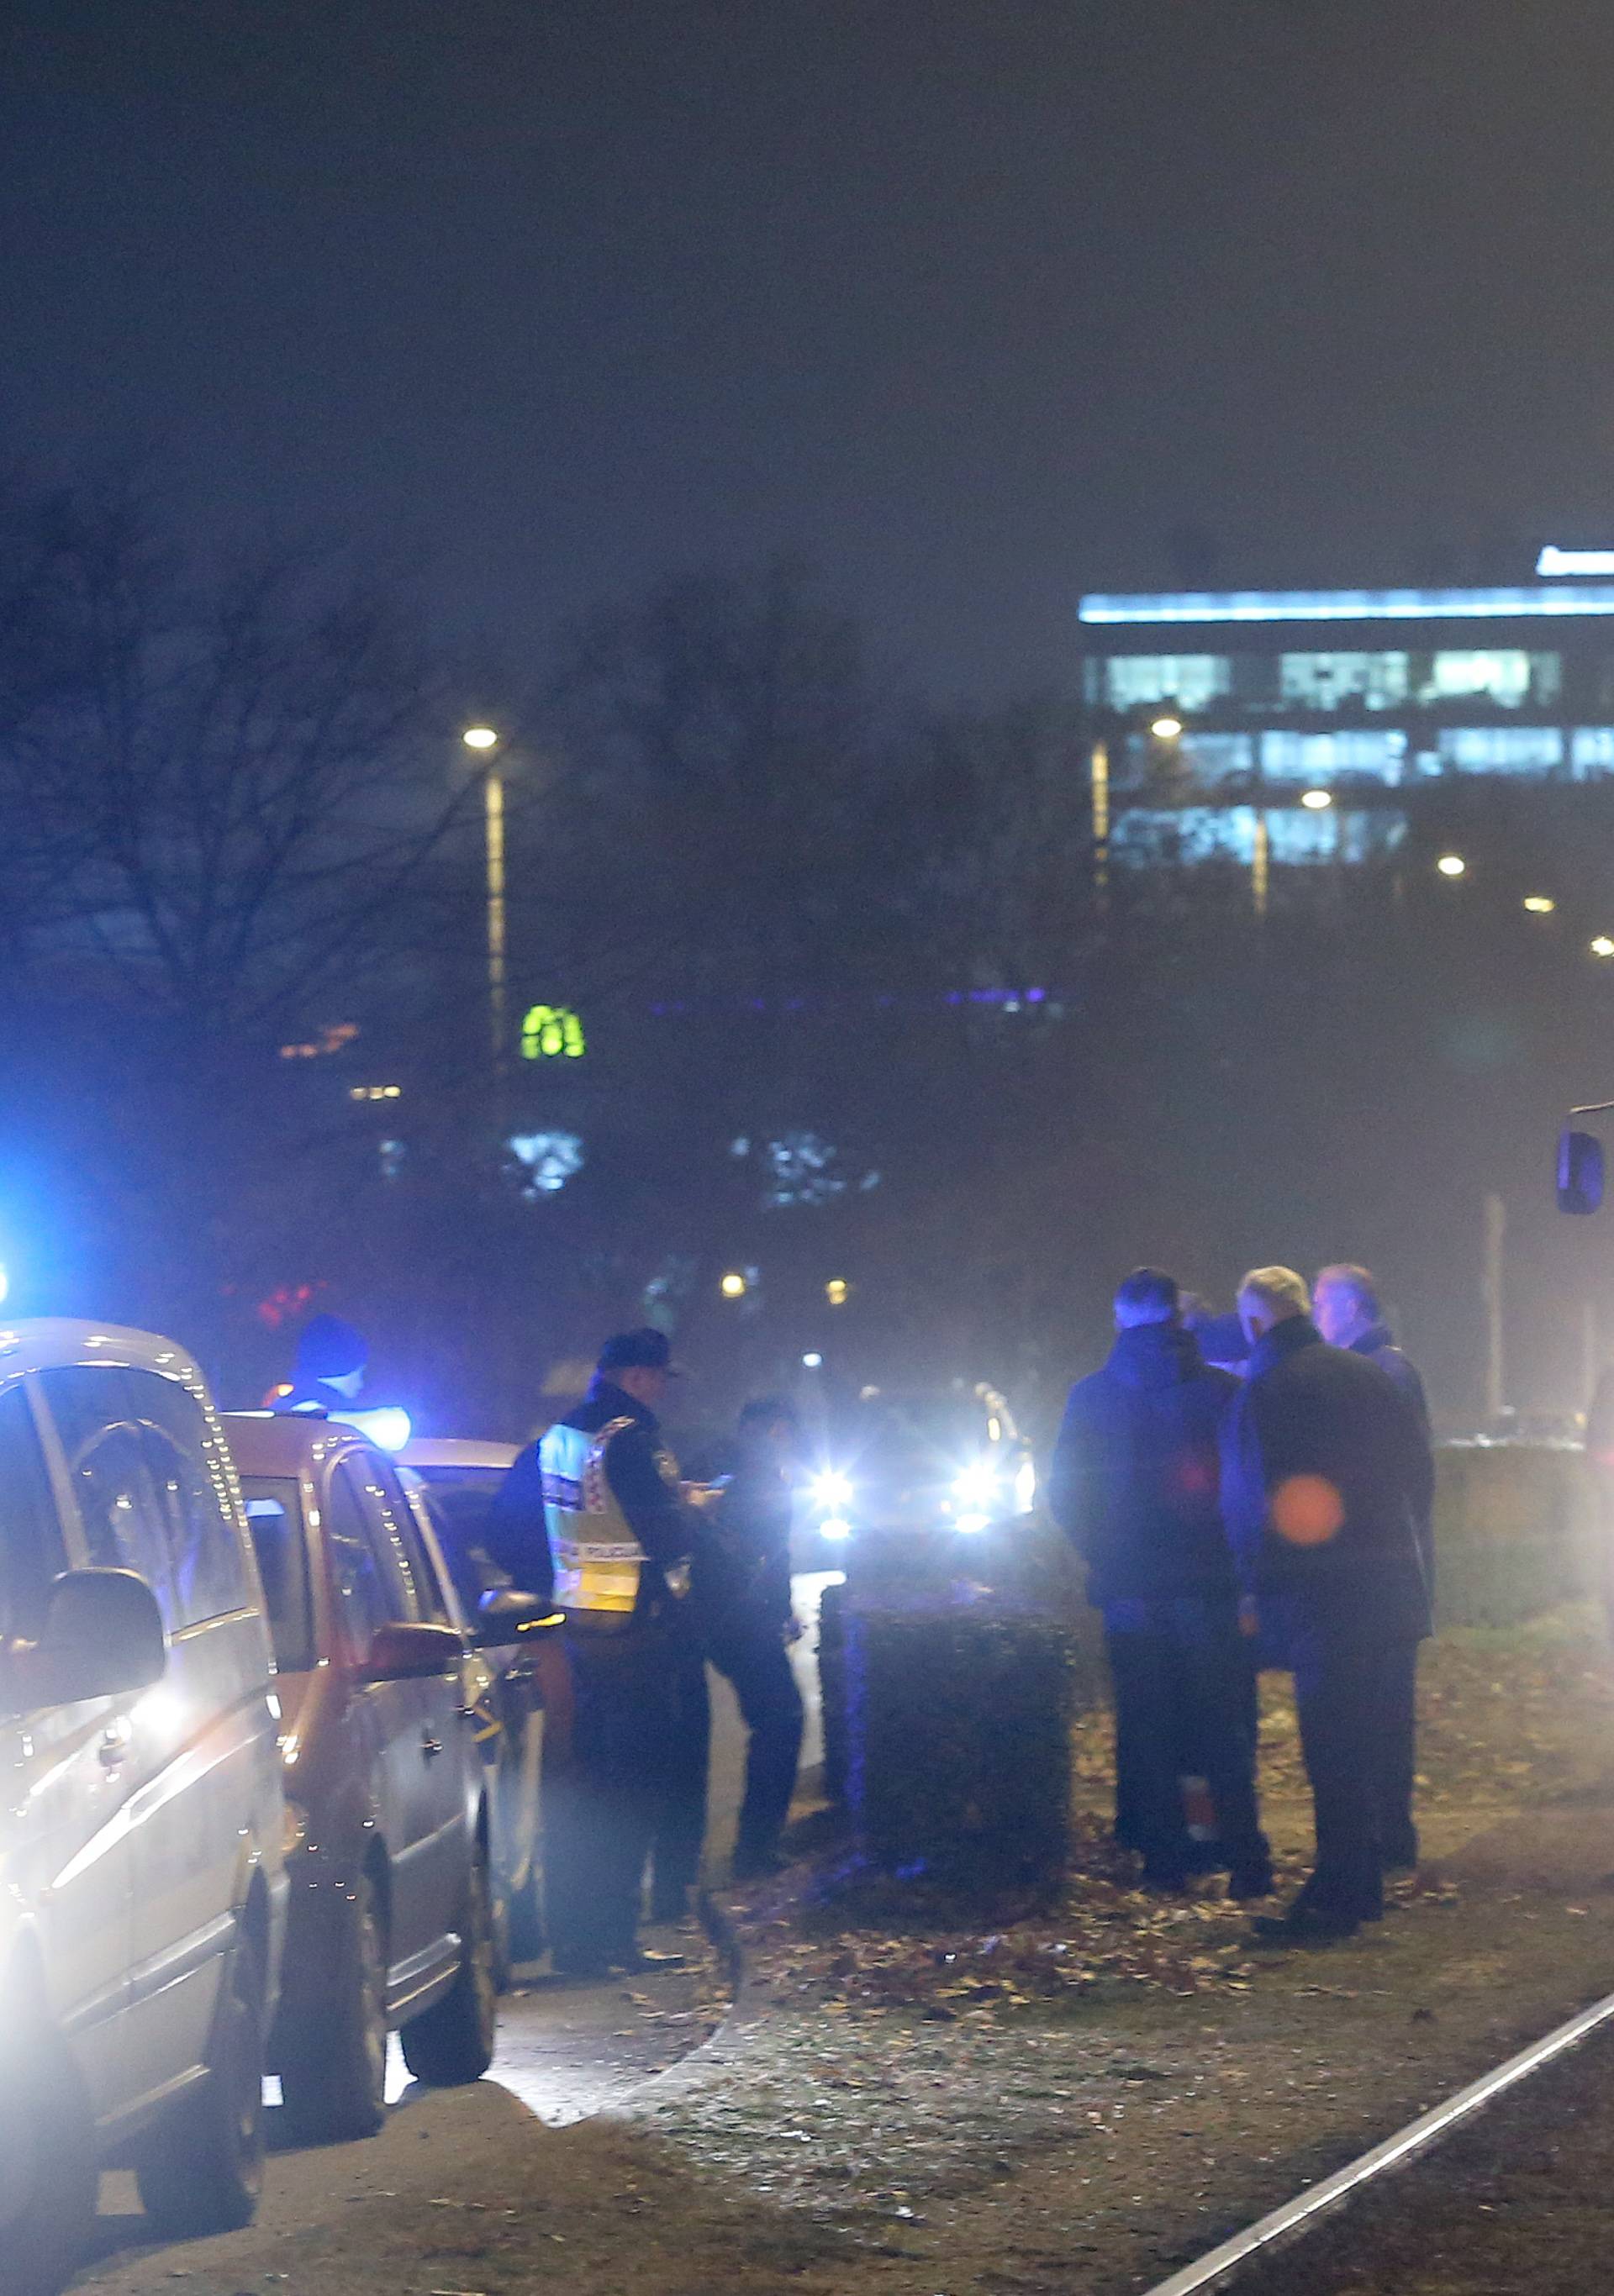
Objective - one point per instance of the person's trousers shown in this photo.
(1397, 1770)
(1353, 1692)
(1180, 1675)
(679, 1832)
(602, 1799)
(756, 1661)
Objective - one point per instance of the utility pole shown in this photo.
(1495, 1234)
(485, 741)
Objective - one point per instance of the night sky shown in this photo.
(977, 302)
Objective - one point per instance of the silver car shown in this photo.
(142, 1880)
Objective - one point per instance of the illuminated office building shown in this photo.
(1301, 721)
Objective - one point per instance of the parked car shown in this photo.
(454, 1480)
(945, 1461)
(142, 1894)
(392, 1920)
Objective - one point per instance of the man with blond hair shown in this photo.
(1325, 1478)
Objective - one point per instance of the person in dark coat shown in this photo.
(742, 1607)
(617, 1533)
(1134, 1485)
(1347, 1311)
(329, 1371)
(1326, 1476)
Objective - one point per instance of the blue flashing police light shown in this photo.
(389, 1426)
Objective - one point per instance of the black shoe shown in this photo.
(1164, 1880)
(1248, 1881)
(642, 1962)
(1304, 1924)
(1206, 1857)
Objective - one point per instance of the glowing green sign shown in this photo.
(552, 1032)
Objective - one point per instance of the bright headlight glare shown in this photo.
(835, 1527)
(976, 1486)
(832, 1490)
(1025, 1487)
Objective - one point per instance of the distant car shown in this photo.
(946, 1460)
(391, 1921)
(142, 1880)
(456, 1480)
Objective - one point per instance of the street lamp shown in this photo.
(1539, 905)
(1603, 946)
(1316, 800)
(1451, 864)
(733, 1286)
(1166, 728)
(484, 740)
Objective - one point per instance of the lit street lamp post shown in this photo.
(484, 740)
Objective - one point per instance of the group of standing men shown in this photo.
(1280, 1518)
(655, 1578)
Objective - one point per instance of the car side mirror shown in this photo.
(1579, 1172)
(409, 1650)
(509, 1616)
(102, 1634)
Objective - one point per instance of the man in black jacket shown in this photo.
(1325, 1478)
(742, 1606)
(1134, 1484)
(1347, 1313)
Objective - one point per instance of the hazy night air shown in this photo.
(981, 304)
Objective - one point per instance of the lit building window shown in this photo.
(1189, 836)
(1502, 749)
(1320, 757)
(1219, 757)
(1192, 680)
(1592, 751)
(1502, 674)
(1326, 681)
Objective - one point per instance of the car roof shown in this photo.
(456, 1451)
(58, 1343)
(288, 1442)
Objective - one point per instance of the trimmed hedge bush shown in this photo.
(957, 1740)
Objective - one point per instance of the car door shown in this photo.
(204, 1747)
(445, 1741)
(392, 1720)
(70, 1780)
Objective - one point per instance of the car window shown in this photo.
(123, 1513)
(274, 1518)
(423, 1571)
(31, 1549)
(362, 1602)
(386, 1517)
(188, 1462)
(372, 1587)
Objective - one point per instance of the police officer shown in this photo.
(329, 1371)
(618, 1536)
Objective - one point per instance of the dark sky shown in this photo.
(974, 301)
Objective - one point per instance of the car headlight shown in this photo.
(835, 1526)
(976, 1486)
(832, 1491)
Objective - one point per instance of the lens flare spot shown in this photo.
(1307, 1511)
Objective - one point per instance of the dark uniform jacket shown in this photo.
(1379, 1347)
(1135, 1478)
(518, 1533)
(1326, 1478)
(741, 1578)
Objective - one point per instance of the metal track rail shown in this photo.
(1298, 2216)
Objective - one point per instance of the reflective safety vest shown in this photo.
(597, 1559)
